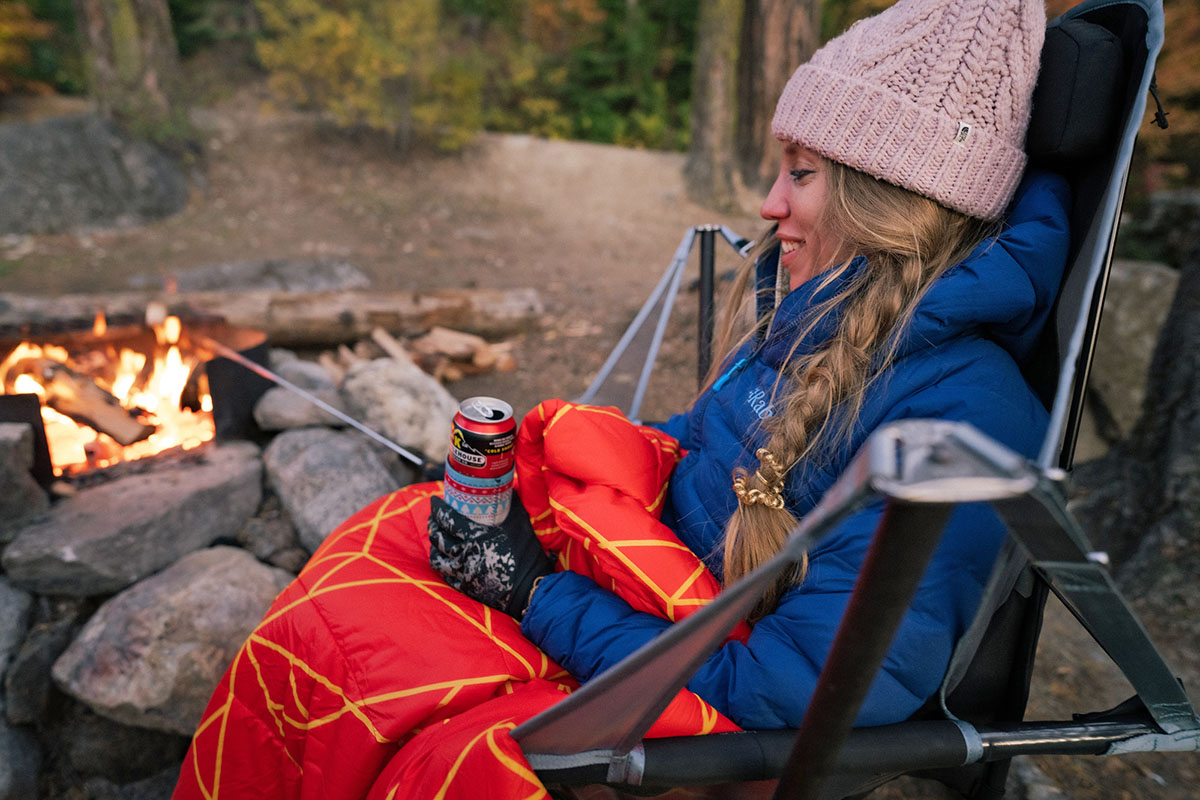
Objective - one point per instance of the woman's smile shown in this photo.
(796, 203)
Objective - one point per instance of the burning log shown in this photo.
(81, 399)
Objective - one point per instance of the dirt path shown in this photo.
(591, 227)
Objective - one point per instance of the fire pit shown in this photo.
(121, 393)
(150, 541)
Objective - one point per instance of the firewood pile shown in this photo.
(446, 354)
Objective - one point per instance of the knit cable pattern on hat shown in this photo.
(931, 95)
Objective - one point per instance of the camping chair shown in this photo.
(1097, 69)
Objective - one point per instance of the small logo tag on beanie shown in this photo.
(964, 133)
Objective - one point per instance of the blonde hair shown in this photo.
(908, 241)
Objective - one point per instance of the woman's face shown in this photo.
(796, 202)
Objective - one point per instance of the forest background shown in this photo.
(433, 73)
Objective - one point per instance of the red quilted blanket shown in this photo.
(370, 677)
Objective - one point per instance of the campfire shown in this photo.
(113, 395)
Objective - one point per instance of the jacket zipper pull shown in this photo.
(724, 379)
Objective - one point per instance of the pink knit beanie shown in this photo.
(931, 95)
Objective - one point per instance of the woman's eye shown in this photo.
(800, 174)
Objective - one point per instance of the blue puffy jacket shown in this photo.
(960, 359)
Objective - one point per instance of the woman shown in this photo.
(900, 294)
(885, 320)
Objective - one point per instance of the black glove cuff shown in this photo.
(532, 561)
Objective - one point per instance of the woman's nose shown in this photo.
(774, 206)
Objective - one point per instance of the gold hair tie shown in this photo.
(772, 495)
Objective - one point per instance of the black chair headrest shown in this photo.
(1077, 100)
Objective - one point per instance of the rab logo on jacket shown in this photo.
(759, 404)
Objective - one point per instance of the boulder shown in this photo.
(281, 409)
(1027, 782)
(21, 499)
(404, 403)
(159, 786)
(100, 748)
(108, 536)
(20, 761)
(323, 476)
(1135, 306)
(278, 356)
(305, 374)
(1166, 228)
(271, 537)
(82, 171)
(291, 559)
(27, 682)
(15, 606)
(402, 470)
(152, 655)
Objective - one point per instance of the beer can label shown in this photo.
(482, 438)
(483, 458)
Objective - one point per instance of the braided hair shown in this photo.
(908, 241)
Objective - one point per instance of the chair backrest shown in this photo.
(1088, 107)
(1089, 102)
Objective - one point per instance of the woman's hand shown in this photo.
(495, 564)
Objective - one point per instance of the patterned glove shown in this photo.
(495, 564)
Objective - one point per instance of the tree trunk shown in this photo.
(133, 64)
(777, 36)
(711, 163)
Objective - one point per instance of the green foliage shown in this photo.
(19, 29)
(56, 60)
(603, 70)
(838, 15)
(377, 64)
(193, 24)
(448, 114)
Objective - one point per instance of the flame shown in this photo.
(150, 383)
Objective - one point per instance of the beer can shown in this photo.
(479, 466)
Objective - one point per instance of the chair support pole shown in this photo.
(900, 551)
(708, 235)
